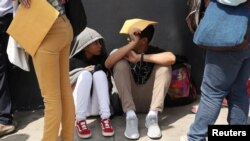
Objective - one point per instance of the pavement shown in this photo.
(174, 122)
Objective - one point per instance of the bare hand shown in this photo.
(134, 34)
(25, 3)
(132, 57)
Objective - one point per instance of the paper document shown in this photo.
(30, 25)
(138, 23)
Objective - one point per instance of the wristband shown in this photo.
(142, 57)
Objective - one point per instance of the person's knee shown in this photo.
(121, 65)
(99, 73)
(163, 70)
(84, 76)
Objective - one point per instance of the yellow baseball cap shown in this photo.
(138, 23)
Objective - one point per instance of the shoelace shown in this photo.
(106, 123)
(152, 121)
(83, 125)
(132, 123)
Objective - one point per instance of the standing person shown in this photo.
(91, 82)
(6, 120)
(225, 75)
(142, 74)
(51, 62)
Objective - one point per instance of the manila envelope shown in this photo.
(138, 23)
(30, 25)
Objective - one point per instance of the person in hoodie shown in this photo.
(91, 82)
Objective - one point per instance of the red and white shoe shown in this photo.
(106, 126)
(82, 129)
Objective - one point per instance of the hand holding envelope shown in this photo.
(30, 25)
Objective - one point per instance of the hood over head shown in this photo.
(86, 37)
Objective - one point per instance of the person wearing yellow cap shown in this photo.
(142, 74)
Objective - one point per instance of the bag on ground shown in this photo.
(181, 90)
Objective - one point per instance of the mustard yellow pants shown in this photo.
(51, 63)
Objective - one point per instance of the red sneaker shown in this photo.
(107, 129)
(82, 129)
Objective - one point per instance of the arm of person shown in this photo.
(164, 58)
(157, 58)
(118, 54)
(121, 53)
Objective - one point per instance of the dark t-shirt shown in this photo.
(142, 70)
(79, 61)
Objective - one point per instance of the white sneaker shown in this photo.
(154, 130)
(131, 131)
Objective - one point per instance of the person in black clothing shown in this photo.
(6, 119)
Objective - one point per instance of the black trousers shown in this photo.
(5, 100)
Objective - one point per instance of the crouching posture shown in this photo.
(142, 74)
(91, 82)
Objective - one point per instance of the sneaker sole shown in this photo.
(130, 137)
(7, 132)
(158, 137)
(84, 137)
(108, 134)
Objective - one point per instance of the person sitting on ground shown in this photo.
(142, 74)
(91, 82)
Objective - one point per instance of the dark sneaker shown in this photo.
(82, 129)
(106, 126)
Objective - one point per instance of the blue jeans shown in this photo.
(225, 75)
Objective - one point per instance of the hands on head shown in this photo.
(133, 37)
(134, 34)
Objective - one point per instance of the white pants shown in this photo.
(96, 104)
